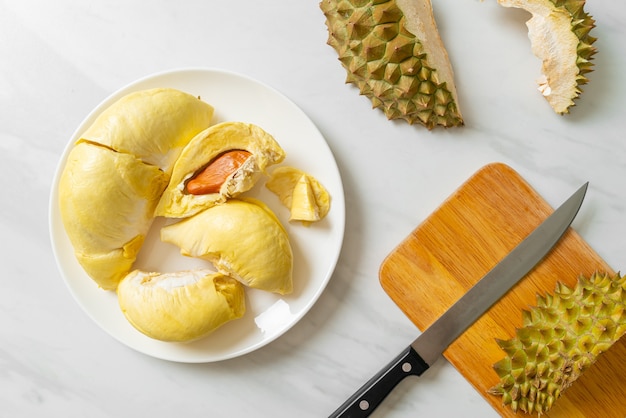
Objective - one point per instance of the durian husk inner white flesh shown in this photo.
(420, 21)
(554, 43)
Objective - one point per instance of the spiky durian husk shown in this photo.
(389, 64)
(561, 338)
(559, 31)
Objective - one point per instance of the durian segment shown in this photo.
(176, 202)
(560, 339)
(153, 125)
(392, 51)
(243, 239)
(559, 32)
(303, 205)
(106, 201)
(307, 199)
(182, 306)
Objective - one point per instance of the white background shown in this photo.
(59, 59)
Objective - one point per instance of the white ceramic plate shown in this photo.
(316, 248)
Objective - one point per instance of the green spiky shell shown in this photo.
(561, 338)
(388, 63)
(582, 23)
(564, 69)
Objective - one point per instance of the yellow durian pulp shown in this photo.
(182, 306)
(116, 172)
(106, 202)
(153, 125)
(176, 202)
(243, 239)
(305, 197)
(303, 205)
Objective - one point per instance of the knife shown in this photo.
(428, 347)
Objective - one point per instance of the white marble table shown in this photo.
(59, 59)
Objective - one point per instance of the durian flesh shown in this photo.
(305, 197)
(106, 201)
(559, 36)
(182, 306)
(115, 174)
(561, 338)
(176, 202)
(243, 239)
(392, 52)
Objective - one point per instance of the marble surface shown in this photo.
(59, 59)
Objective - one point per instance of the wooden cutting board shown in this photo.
(462, 240)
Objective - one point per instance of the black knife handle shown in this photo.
(366, 400)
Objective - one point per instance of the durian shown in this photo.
(243, 239)
(115, 173)
(393, 53)
(205, 147)
(559, 36)
(182, 306)
(307, 199)
(561, 338)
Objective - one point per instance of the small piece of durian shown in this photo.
(308, 201)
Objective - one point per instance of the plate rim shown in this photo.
(53, 227)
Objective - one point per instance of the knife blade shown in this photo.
(430, 345)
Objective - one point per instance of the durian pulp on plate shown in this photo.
(153, 125)
(392, 51)
(107, 199)
(305, 197)
(115, 174)
(241, 238)
(177, 202)
(559, 36)
(182, 306)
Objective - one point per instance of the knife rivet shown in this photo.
(406, 367)
(364, 405)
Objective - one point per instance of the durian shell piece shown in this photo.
(243, 239)
(559, 32)
(305, 197)
(106, 201)
(153, 125)
(180, 307)
(392, 51)
(176, 202)
(560, 339)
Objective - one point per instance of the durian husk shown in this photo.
(560, 339)
(559, 32)
(392, 51)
